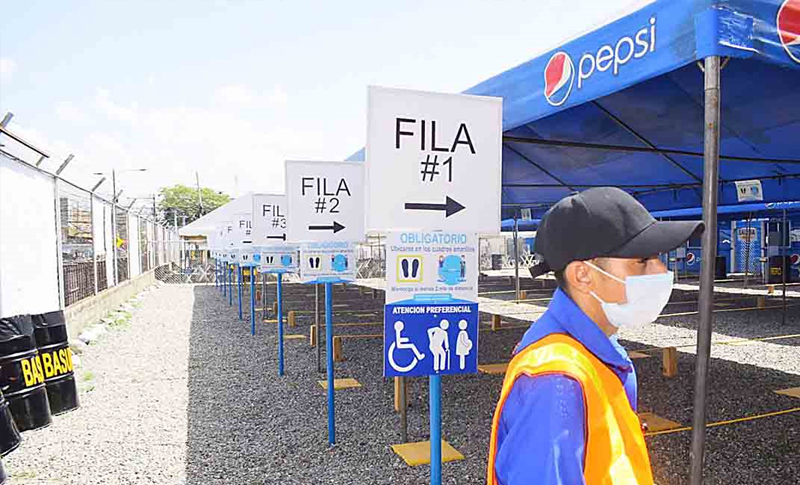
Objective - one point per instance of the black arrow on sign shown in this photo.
(449, 207)
(336, 227)
(282, 236)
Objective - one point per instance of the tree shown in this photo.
(183, 201)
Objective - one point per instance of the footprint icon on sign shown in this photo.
(313, 263)
(409, 268)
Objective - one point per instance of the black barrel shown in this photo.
(22, 375)
(59, 378)
(9, 434)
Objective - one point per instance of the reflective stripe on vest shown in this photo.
(616, 453)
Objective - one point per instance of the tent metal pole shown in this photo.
(706, 303)
(785, 239)
(516, 258)
(747, 251)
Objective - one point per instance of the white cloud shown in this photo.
(278, 96)
(117, 112)
(235, 94)
(67, 111)
(174, 141)
(241, 95)
(7, 68)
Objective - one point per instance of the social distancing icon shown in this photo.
(314, 262)
(409, 268)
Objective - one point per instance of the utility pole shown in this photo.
(199, 196)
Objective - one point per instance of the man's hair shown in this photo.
(561, 277)
(561, 280)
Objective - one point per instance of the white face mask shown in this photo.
(647, 296)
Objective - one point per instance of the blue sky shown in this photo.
(232, 89)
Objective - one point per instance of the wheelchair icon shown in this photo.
(403, 343)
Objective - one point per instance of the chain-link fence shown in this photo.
(82, 243)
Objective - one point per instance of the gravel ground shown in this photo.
(131, 426)
(244, 424)
(280, 424)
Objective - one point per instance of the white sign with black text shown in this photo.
(433, 161)
(269, 219)
(326, 201)
(243, 237)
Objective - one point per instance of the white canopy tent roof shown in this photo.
(212, 220)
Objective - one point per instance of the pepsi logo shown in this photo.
(794, 259)
(559, 76)
(788, 23)
(690, 259)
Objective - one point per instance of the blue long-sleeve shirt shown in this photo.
(541, 436)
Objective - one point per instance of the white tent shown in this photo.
(212, 220)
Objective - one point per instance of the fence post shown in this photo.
(94, 253)
(59, 256)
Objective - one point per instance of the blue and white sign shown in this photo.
(282, 258)
(444, 263)
(431, 315)
(327, 262)
(749, 191)
(427, 337)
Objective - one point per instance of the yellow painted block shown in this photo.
(637, 355)
(792, 391)
(493, 368)
(419, 453)
(657, 423)
(339, 384)
(295, 337)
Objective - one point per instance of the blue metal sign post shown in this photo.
(435, 393)
(328, 263)
(431, 316)
(278, 259)
(230, 285)
(239, 288)
(280, 323)
(329, 356)
(252, 300)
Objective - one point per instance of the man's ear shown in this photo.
(579, 277)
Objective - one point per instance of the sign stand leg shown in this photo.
(239, 288)
(785, 239)
(403, 398)
(516, 260)
(230, 286)
(329, 355)
(252, 301)
(435, 392)
(316, 324)
(264, 296)
(279, 299)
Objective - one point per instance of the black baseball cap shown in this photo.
(604, 222)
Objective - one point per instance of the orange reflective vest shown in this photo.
(615, 453)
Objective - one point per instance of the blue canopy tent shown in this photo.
(631, 104)
(675, 103)
(624, 106)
